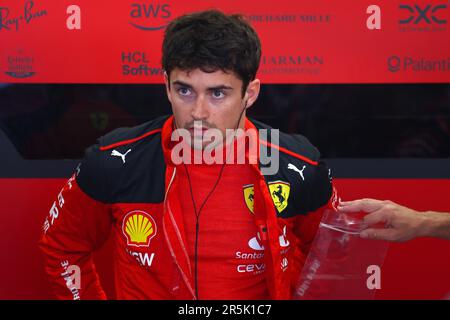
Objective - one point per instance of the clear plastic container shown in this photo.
(340, 264)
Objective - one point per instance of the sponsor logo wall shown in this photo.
(303, 42)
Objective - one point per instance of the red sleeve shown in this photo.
(305, 229)
(306, 226)
(76, 225)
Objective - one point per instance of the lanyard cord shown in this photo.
(197, 213)
(197, 220)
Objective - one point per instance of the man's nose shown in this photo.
(200, 109)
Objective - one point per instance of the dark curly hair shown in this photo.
(211, 40)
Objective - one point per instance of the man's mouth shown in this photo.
(197, 131)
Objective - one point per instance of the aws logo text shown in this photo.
(150, 17)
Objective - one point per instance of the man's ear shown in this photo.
(252, 92)
(167, 83)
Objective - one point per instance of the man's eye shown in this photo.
(218, 94)
(184, 91)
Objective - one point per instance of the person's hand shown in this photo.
(400, 223)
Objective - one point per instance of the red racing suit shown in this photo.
(127, 185)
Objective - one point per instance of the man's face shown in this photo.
(213, 100)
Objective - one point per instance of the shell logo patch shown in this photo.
(139, 228)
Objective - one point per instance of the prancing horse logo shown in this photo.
(279, 190)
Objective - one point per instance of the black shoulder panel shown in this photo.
(90, 175)
(127, 166)
(302, 181)
(124, 134)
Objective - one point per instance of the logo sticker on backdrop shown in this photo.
(150, 16)
(13, 22)
(20, 65)
(139, 228)
(290, 18)
(423, 18)
(418, 64)
(394, 63)
(292, 64)
(137, 64)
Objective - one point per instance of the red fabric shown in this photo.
(163, 268)
(226, 225)
(78, 226)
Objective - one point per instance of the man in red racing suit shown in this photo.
(191, 231)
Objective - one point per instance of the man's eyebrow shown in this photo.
(221, 87)
(181, 83)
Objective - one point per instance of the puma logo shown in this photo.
(116, 153)
(300, 172)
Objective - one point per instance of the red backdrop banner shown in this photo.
(100, 41)
(416, 269)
